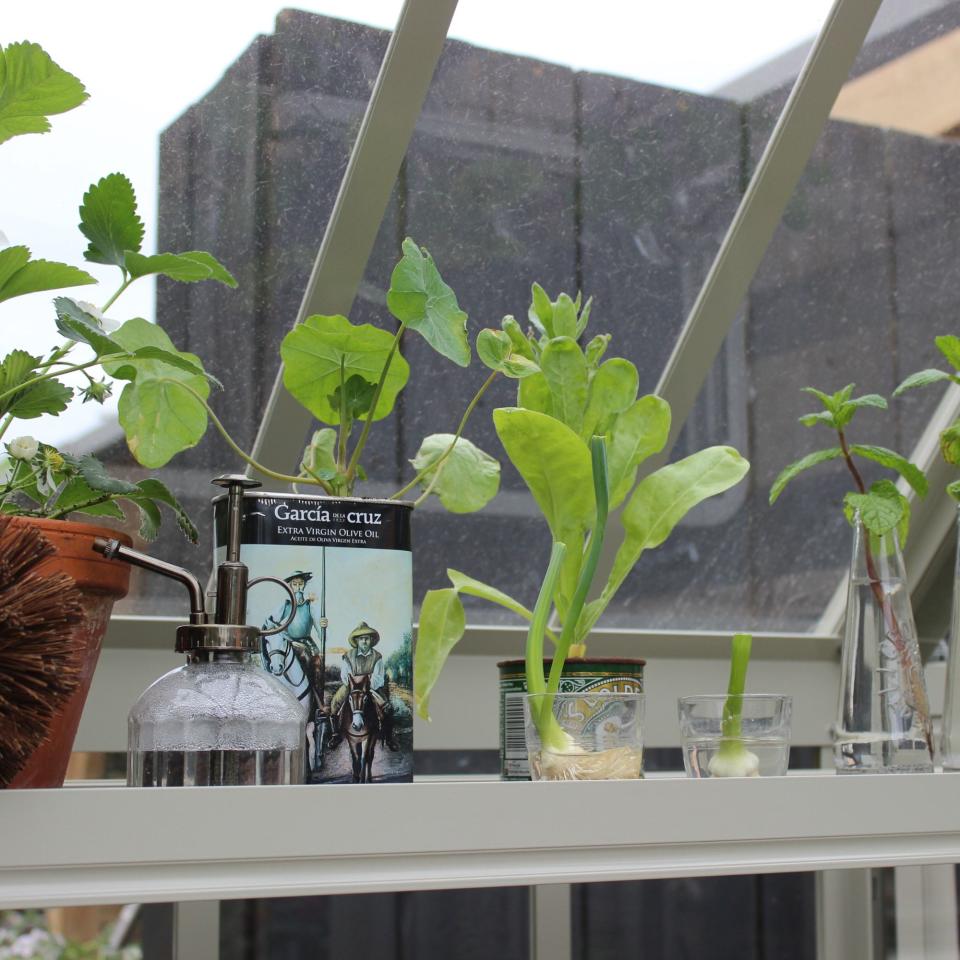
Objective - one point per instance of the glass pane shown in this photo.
(234, 125)
(861, 275)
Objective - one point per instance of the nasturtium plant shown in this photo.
(162, 407)
(882, 507)
(949, 346)
(578, 426)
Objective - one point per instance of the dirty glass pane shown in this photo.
(861, 275)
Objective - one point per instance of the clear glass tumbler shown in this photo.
(584, 735)
(716, 744)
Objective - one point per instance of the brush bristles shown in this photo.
(38, 664)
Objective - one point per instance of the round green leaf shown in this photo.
(322, 352)
(469, 478)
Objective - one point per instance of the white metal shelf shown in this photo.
(112, 845)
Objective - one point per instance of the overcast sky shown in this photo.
(142, 74)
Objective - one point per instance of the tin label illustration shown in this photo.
(348, 653)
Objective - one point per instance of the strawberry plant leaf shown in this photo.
(32, 88)
(154, 490)
(75, 323)
(109, 220)
(20, 275)
(185, 267)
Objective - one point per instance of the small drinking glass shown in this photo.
(593, 735)
(761, 748)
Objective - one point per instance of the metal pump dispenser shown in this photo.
(220, 719)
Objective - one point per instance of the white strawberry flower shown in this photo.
(23, 448)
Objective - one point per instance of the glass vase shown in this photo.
(950, 742)
(883, 723)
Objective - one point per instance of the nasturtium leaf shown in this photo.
(320, 456)
(540, 313)
(150, 490)
(353, 397)
(949, 346)
(880, 510)
(533, 393)
(660, 501)
(314, 352)
(20, 275)
(32, 88)
(950, 444)
(596, 348)
(923, 378)
(185, 267)
(419, 298)
(468, 478)
(442, 622)
(158, 415)
(47, 396)
(639, 432)
(798, 467)
(496, 351)
(109, 220)
(613, 388)
(565, 369)
(564, 317)
(555, 464)
(889, 458)
(75, 323)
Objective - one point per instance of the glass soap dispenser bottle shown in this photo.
(220, 719)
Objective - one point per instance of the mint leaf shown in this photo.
(829, 402)
(950, 348)
(184, 267)
(954, 489)
(798, 467)
(32, 88)
(922, 379)
(20, 275)
(889, 458)
(419, 298)
(950, 443)
(109, 220)
(811, 419)
(880, 510)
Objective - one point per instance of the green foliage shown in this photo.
(573, 402)
(109, 220)
(32, 88)
(950, 444)
(883, 507)
(320, 457)
(19, 275)
(421, 301)
(189, 267)
(442, 618)
(22, 395)
(464, 477)
(323, 352)
(499, 350)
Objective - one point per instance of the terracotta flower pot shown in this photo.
(101, 582)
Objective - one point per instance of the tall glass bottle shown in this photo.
(883, 723)
(950, 743)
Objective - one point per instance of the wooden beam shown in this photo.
(916, 93)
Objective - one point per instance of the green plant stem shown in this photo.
(731, 723)
(259, 467)
(598, 453)
(536, 683)
(59, 514)
(52, 376)
(123, 286)
(7, 420)
(446, 453)
(343, 433)
(362, 441)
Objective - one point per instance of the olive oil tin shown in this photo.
(348, 653)
(612, 675)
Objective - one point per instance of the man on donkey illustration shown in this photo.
(359, 661)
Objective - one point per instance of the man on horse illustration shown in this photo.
(299, 638)
(359, 661)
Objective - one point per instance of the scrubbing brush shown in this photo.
(38, 669)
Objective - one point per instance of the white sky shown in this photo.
(142, 73)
